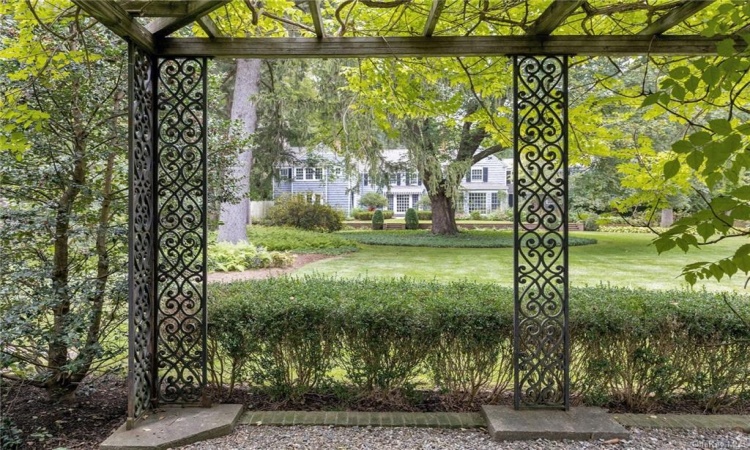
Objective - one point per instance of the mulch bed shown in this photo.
(100, 408)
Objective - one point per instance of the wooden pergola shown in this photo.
(170, 44)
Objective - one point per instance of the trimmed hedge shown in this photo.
(464, 239)
(367, 215)
(635, 347)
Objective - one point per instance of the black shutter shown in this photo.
(291, 174)
(366, 179)
(407, 178)
(398, 179)
(468, 176)
(485, 174)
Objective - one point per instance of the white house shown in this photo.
(324, 175)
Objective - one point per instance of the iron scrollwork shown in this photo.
(141, 370)
(541, 341)
(181, 219)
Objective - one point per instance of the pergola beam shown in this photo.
(449, 46)
(120, 22)
(674, 17)
(167, 25)
(317, 18)
(432, 19)
(553, 16)
(156, 8)
(209, 27)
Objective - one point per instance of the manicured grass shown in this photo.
(424, 238)
(299, 241)
(618, 259)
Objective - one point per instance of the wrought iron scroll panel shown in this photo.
(181, 221)
(141, 364)
(541, 341)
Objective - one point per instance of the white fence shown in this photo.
(259, 210)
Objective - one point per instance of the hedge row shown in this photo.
(636, 347)
(367, 215)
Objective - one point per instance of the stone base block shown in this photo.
(507, 424)
(175, 426)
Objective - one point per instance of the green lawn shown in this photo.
(424, 238)
(617, 259)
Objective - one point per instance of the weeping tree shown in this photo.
(450, 114)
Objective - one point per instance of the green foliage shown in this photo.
(710, 95)
(11, 438)
(299, 212)
(367, 215)
(636, 347)
(63, 237)
(464, 239)
(424, 215)
(475, 215)
(631, 230)
(411, 219)
(377, 220)
(228, 257)
(299, 241)
(373, 200)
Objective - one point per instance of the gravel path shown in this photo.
(342, 438)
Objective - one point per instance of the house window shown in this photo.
(508, 177)
(365, 179)
(477, 201)
(392, 179)
(308, 173)
(337, 172)
(390, 202)
(476, 175)
(412, 179)
(402, 203)
(414, 200)
(494, 201)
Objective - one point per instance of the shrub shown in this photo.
(629, 346)
(475, 215)
(412, 221)
(377, 220)
(228, 257)
(296, 211)
(424, 215)
(299, 241)
(367, 215)
(373, 200)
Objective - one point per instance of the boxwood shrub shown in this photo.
(629, 346)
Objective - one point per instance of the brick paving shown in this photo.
(364, 419)
(685, 421)
(475, 420)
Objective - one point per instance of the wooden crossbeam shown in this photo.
(209, 27)
(450, 46)
(432, 19)
(156, 8)
(675, 16)
(119, 21)
(316, 18)
(553, 16)
(167, 25)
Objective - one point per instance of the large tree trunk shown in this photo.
(234, 217)
(443, 214)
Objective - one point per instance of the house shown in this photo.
(324, 175)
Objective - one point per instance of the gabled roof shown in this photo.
(385, 28)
